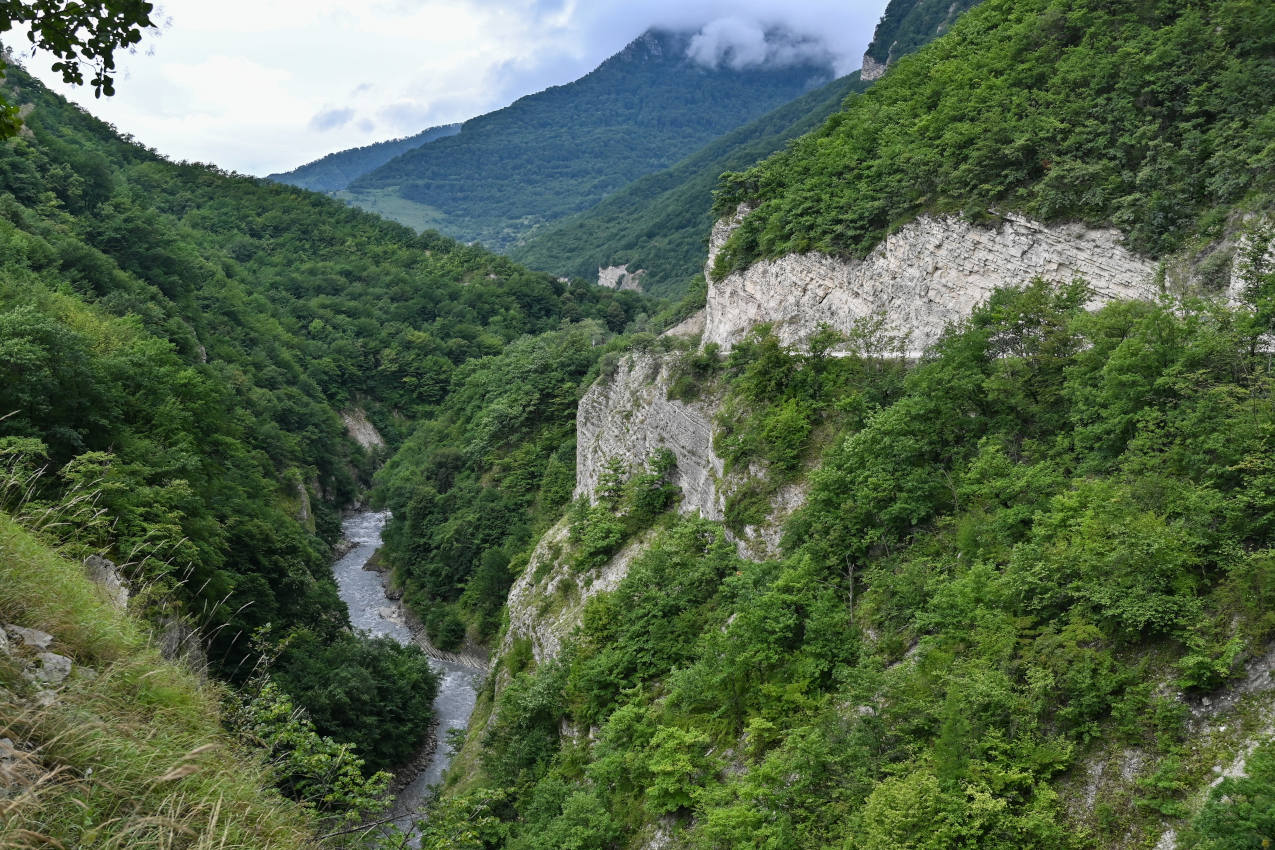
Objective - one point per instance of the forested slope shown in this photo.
(1036, 557)
(177, 344)
(1154, 117)
(337, 170)
(560, 151)
(1025, 603)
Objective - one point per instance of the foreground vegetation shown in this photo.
(134, 755)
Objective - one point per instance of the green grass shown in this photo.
(134, 757)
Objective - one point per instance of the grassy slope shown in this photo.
(135, 757)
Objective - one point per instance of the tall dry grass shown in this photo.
(131, 755)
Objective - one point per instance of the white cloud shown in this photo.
(260, 87)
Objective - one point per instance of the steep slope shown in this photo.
(1022, 604)
(658, 224)
(560, 151)
(906, 25)
(337, 170)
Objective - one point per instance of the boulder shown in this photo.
(33, 638)
(106, 575)
(53, 668)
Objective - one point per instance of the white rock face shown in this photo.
(930, 273)
(619, 277)
(629, 417)
(107, 576)
(545, 609)
(361, 430)
(872, 69)
(690, 327)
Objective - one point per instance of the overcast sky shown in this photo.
(259, 86)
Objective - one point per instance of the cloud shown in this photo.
(331, 119)
(738, 43)
(250, 86)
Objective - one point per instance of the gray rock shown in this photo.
(928, 274)
(53, 668)
(4, 643)
(179, 641)
(107, 576)
(629, 416)
(33, 638)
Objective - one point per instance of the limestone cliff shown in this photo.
(629, 416)
(928, 274)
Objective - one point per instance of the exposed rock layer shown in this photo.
(930, 273)
(629, 416)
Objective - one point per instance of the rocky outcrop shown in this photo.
(107, 576)
(689, 328)
(928, 274)
(619, 277)
(361, 430)
(872, 69)
(179, 641)
(547, 599)
(30, 650)
(629, 416)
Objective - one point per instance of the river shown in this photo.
(372, 611)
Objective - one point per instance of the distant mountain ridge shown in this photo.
(560, 151)
(659, 224)
(336, 170)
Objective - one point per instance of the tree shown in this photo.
(77, 33)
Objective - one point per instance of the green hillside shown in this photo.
(132, 751)
(337, 170)
(660, 223)
(1027, 601)
(1026, 565)
(175, 346)
(1154, 117)
(555, 153)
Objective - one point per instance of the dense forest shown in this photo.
(1005, 551)
(557, 152)
(177, 343)
(1155, 117)
(1031, 564)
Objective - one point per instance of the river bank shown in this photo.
(459, 674)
